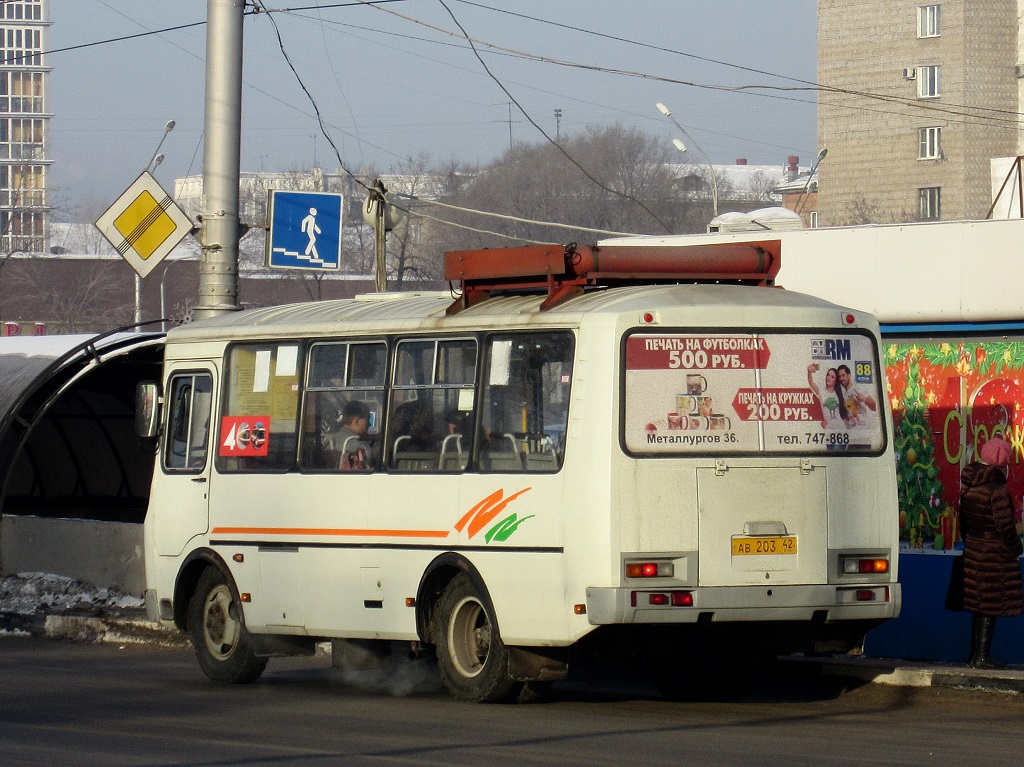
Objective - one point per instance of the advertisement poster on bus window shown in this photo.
(948, 398)
(742, 393)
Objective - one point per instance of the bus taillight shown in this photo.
(865, 565)
(650, 570)
(663, 599)
(682, 599)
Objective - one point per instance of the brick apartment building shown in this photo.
(916, 100)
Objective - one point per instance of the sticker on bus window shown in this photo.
(779, 392)
(244, 435)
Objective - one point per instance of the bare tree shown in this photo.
(539, 183)
(762, 187)
(412, 252)
(863, 211)
(88, 295)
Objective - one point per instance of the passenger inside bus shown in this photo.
(350, 441)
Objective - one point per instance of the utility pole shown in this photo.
(558, 125)
(220, 231)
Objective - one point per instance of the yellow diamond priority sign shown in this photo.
(144, 225)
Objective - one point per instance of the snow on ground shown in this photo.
(31, 593)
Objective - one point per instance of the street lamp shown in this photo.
(682, 148)
(800, 200)
(157, 157)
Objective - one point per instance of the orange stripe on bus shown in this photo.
(330, 531)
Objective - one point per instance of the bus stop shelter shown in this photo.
(74, 477)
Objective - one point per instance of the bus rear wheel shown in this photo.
(223, 646)
(473, 660)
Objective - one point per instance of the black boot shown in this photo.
(982, 629)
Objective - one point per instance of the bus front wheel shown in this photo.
(223, 646)
(473, 660)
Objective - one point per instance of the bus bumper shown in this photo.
(606, 606)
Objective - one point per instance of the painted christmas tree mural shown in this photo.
(917, 476)
(947, 400)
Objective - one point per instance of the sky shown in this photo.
(394, 82)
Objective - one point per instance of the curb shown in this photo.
(89, 629)
(901, 673)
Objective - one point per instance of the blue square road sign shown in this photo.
(305, 230)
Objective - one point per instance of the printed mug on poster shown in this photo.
(244, 435)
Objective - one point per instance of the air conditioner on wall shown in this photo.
(910, 73)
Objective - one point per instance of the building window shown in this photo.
(928, 81)
(929, 144)
(930, 200)
(31, 10)
(928, 21)
(21, 46)
(814, 219)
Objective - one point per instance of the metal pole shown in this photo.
(799, 206)
(138, 301)
(218, 268)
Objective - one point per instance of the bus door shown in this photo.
(183, 499)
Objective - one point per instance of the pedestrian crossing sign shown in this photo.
(144, 224)
(304, 230)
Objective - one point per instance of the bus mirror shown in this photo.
(146, 409)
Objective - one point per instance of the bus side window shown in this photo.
(430, 428)
(340, 373)
(258, 429)
(525, 407)
(188, 432)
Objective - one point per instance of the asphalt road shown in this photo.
(73, 704)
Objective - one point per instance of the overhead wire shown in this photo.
(604, 108)
(341, 163)
(557, 145)
(337, 82)
(516, 219)
(960, 114)
(813, 84)
(954, 113)
(316, 108)
(973, 118)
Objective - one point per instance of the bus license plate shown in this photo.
(765, 544)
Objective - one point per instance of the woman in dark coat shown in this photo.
(992, 579)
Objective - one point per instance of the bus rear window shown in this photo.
(804, 392)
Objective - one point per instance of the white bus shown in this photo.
(618, 461)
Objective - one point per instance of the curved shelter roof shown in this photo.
(67, 441)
